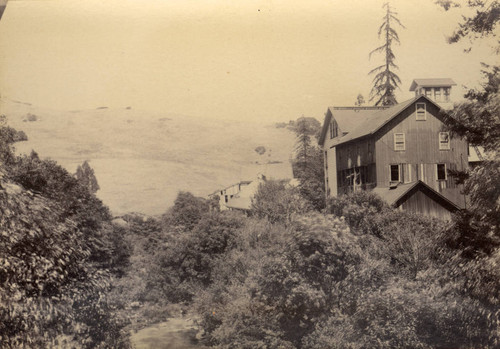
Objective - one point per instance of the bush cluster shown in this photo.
(58, 252)
(363, 275)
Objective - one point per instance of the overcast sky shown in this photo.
(272, 59)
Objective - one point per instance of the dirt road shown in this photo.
(176, 333)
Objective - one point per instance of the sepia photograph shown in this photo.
(256, 174)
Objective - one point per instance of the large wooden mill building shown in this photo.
(401, 152)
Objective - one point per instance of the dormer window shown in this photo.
(420, 110)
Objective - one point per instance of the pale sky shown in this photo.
(253, 59)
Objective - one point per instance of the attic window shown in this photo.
(420, 109)
(399, 141)
(444, 141)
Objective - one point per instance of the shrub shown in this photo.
(187, 264)
(278, 202)
(30, 118)
(279, 282)
(9, 136)
(358, 209)
(46, 276)
(415, 314)
(186, 212)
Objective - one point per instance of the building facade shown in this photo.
(397, 151)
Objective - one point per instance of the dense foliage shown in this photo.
(277, 201)
(477, 230)
(58, 251)
(363, 275)
(318, 283)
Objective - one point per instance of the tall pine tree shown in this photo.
(385, 80)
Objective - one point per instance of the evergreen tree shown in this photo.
(305, 127)
(85, 175)
(308, 162)
(385, 80)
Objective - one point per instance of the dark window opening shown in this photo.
(394, 173)
(441, 172)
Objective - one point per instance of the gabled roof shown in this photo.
(431, 83)
(374, 122)
(347, 118)
(391, 196)
(395, 197)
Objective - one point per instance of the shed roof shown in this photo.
(431, 83)
(375, 121)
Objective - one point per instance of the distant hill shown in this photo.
(142, 159)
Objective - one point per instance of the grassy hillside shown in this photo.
(142, 159)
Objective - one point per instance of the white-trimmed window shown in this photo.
(395, 173)
(420, 110)
(437, 94)
(399, 141)
(444, 140)
(441, 172)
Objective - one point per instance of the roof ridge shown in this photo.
(360, 108)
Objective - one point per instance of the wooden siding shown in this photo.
(330, 172)
(421, 152)
(420, 203)
(355, 154)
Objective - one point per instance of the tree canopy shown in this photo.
(481, 23)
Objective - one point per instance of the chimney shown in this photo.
(439, 90)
